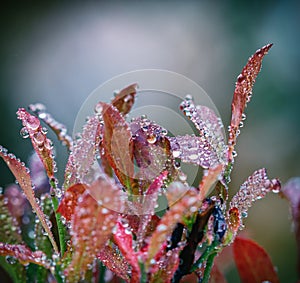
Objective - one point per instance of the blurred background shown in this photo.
(57, 52)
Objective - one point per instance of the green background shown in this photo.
(57, 52)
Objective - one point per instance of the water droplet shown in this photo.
(151, 139)
(176, 153)
(189, 97)
(10, 259)
(98, 109)
(44, 130)
(161, 227)
(244, 116)
(39, 138)
(32, 122)
(24, 133)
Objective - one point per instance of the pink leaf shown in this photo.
(41, 144)
(256, 187)
(83, 153)
(24, 254)
(253, 263)
(115, 262)
(21, 173)
(91, 225)
(123, 239)
(242, 94)
(124, 100)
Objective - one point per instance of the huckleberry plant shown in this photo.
(103, 224)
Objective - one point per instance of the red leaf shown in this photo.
(291, 190)
(83, 153)
(92, 224)
(125, 99)
(253, 263)
(242, 94)
(123, 239)
(21, 173)
(24, 254)
(117, 144)
(59, 129)
(115, 262)
(41, 144)
(216, 276)
(69, 202)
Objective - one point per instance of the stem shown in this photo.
(209, 265)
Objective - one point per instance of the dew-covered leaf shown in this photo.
(253, 263)
(21, 173)
(124, 99)
(123, 239)
(256, 187)
(165, 268)
(59, 129)
(114, 261)
(24, 254)
(70, 200)
(83, 152)
(10, 231)
(209, 148)
(117, 144)
(242, 94)
(41, 144)
(91, 225)
(152, 151)
(184, 207)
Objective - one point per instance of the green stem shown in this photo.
(208, 267)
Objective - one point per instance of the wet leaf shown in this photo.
(115, 262)
(253, 263)
(291, 191)
(91, 225)
(123, 239)
(21, 173)
(24, 255)
(41, 144)
(242, 94)
(124, 99)
(209, 148)
(83, 153)
(10, 231)
(256, 187)
(70, 200)
(59, 129)
(117, 144)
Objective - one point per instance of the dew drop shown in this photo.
(10, 259)
(189, 97)
(24, 133)
(32, 122)
(98, 108)
(244, 116)
(39, 138)
(151, 139)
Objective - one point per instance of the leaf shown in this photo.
(114, 261)
(91, 225)
(21, 173)
(16, 271)
(59, 129)
(291, 191)
(253, 263)
(242, 94)
(10, 231)
(69, 202)
(209, 148)
(123, 239)
(41, 144)
(124, 99)
(24, 254)
(216, 276)
(83, 153)
(117, 144)
(256, 187)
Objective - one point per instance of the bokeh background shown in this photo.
(57, 52)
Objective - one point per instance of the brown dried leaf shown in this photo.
(242, 94)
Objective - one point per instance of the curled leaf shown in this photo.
(91, 225)
(242, 95)
(24, 254)
(41, 144)
(21, 173)
(253, 263)
(256, 187)
(124, 99)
